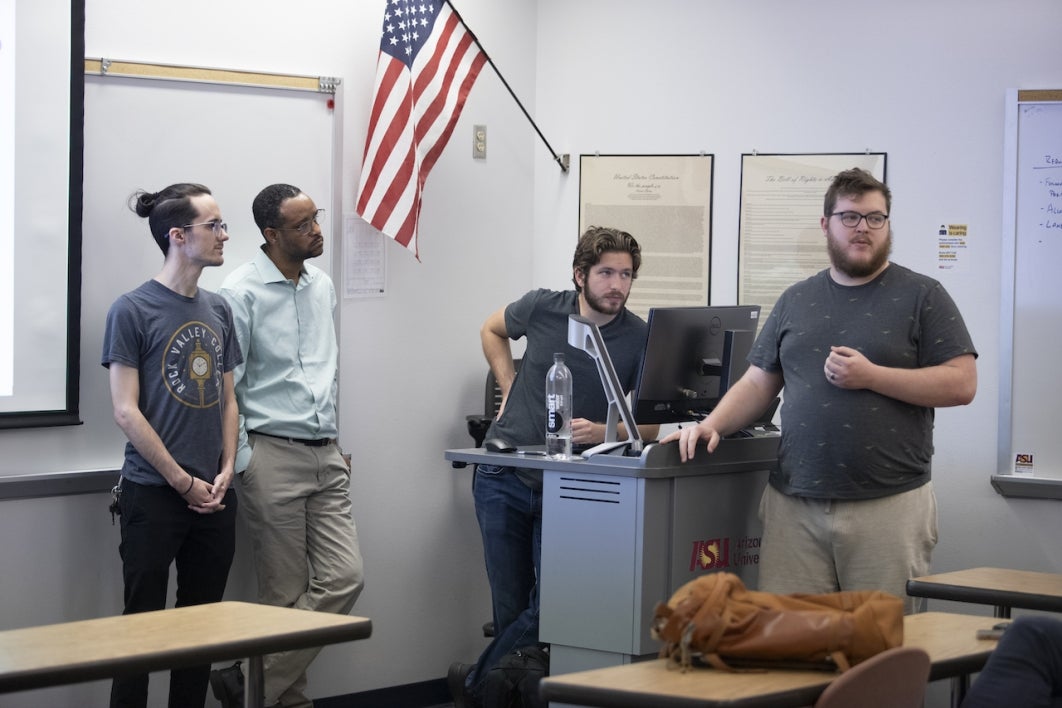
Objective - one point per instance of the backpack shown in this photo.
(715, 619)
(513, 683)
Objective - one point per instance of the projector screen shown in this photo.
(42, 49)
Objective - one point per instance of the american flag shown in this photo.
(427, 64)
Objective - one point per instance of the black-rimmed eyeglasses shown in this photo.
(217, 226)
(851, 219)
(305, 227)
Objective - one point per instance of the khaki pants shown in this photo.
(825, 545)
(295, 500)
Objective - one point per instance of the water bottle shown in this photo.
(559, 410)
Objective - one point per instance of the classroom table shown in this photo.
(87, 650)
(949, 639)
(1000, 587)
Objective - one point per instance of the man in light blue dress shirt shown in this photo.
(295, 483)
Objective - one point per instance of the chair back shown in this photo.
(895, 678)
(479, 423)
(492, 395)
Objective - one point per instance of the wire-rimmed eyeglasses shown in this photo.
(305, 227)
(851, 219)
(217, 226)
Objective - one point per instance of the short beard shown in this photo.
(841, 261)
(597, 305)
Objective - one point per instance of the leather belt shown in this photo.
(322, 442)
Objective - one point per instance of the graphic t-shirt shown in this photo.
(182, 347)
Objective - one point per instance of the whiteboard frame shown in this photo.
(104, 67)
(45, 366)
(1015, 98)
(97, 475)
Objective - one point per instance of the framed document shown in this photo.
(780, 238)
(665, 202)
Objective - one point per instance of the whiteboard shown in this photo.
(149, 133)
(1030, 384)
(40, 167)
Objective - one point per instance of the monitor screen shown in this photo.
(692, 356)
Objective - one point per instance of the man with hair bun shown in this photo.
(170, 348)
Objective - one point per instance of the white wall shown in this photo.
(922, 81)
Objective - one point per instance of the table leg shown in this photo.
(254, 684)
(959, 686)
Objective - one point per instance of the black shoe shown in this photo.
(455, 680)
(227, 685)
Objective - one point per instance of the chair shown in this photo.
(478, 424)
(895, 678)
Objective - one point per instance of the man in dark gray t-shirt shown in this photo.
(865, 351)
(170, 349)
(509, 499)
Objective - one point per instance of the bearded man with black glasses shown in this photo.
(865, 351)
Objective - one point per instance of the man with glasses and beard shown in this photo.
(294, 480)
(865, 351)
(509, 499)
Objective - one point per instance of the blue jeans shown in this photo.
(1024, 670)
(510, 521)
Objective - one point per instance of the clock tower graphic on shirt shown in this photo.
(200, 369)
(191, 369)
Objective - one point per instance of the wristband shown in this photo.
(189, 486)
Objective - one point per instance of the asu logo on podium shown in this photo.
(710, 555)
(714, 553)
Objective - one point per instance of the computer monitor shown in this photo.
(692, 357)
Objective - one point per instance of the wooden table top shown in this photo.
(71, 652)
(993, 586)
(949, 639)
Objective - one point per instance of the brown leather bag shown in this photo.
(715, 618)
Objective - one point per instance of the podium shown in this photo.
(622, 533)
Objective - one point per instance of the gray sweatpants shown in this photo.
(825, 545)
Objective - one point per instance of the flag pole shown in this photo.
(562, 160)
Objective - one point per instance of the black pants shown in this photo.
(158, 529)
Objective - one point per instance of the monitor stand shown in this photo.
(584, 335)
